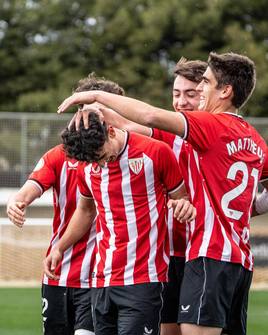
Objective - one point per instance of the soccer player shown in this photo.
(228, 156)
(66, 301)
(188, 74)
(127, 178)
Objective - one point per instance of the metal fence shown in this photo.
(24, 138)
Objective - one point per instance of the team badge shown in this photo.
(135, 165)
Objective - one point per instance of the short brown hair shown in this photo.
(235, 70)
(93, 83)
(192, 70)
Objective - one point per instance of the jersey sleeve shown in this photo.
(164, 136)
(44, 173)
(169, 168)
(264, 175)
(81, 181)
(201, 129)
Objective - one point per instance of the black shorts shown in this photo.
(171, 292)
(66, 309)
(124, 310)
(215, 294)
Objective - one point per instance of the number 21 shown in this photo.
(238, 190)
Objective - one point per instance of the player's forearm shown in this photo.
(78, 226)
(120, 122)
(141, 112)
(27, 194)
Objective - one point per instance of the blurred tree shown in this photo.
(46, 46)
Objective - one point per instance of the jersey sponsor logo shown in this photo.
(147, 331)
(135, 165)
(185, 309)
(72, 165)
(95, 169)
(39, 165)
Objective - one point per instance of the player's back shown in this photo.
(230, 158)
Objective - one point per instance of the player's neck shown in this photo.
(225, 108)
(121, 137)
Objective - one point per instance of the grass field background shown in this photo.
(20, 312)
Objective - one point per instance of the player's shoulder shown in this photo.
(57, 151)
(146, 143)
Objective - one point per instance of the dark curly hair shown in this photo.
(86, 144)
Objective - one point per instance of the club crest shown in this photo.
(135, 164)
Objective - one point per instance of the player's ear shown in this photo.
(227, 91)
(111, 131)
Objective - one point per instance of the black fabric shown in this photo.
(124, 310)
(66, 309)
(171, 293)
(215, 294)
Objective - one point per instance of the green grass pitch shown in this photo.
(20, 312)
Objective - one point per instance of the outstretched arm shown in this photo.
(17, 204)
(79, 224)
(132, 109)
(110, 116)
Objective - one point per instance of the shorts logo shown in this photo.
(72, 165)
(185, 309)
(135, 165)
(147, 331)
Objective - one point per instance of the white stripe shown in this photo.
(131, 219)
(170, 231)
(203, 292)
(236, 239)
(99, 238)
(62, 204)
(35, 184)
(227, 246)
(209, 217)
(85, 268)
(177, 145)
(185, 126)
(67, 256)
(190, 226)
(153, 235)
(209, 224)
(107, 271)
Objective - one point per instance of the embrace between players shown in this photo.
(152, 225)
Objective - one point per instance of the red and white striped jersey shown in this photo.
(131, 228)
(56, 170)
(229, 155)
(178, 232)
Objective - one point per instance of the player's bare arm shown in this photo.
(79, 224)
(17, 204)
(131, 109)
(183, 210)
(110, 117)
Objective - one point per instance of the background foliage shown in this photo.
(46, 46)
